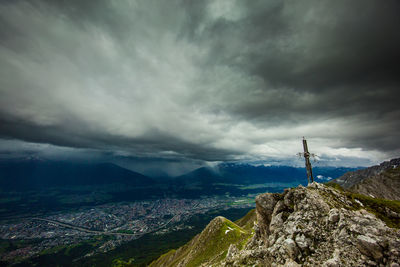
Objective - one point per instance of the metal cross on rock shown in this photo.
(306, 156)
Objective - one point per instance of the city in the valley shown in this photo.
(110, 224)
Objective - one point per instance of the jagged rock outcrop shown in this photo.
(381, 181)
(313, 226)
(317, 226)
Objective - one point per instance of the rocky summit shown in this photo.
(317, 225)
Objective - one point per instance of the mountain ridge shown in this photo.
(211, 243)
(351, 178)
(309, 226)
(381, 181)
(321, 224)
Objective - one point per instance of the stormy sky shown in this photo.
(178, 83)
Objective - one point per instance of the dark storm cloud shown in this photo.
(343, 53)
(78, 136)
(318, 60)
(202, 80)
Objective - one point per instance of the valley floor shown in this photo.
(101, 229)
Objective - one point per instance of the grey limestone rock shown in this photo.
(333, 216)
(369, 246)
(231, 253)
(317, 226)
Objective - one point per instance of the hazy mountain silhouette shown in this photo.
(231, 173)
(36, 174)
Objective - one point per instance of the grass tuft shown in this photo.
(335, 186)
(385, 209)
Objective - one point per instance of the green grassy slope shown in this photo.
(211, 245)
(247, 221)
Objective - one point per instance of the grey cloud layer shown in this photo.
(209, 80)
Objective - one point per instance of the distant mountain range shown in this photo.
(38, 175)
(246, 174)
(381, 181)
